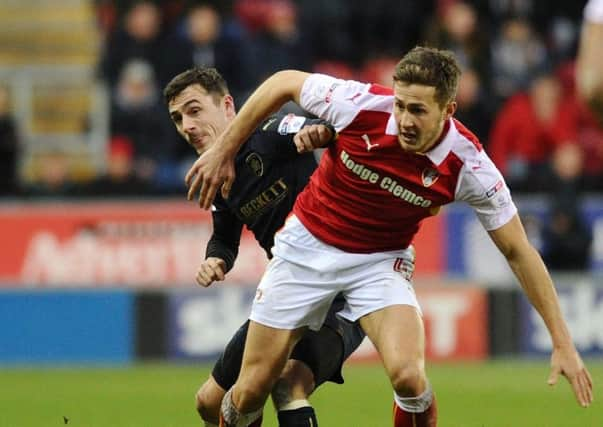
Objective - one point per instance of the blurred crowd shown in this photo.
(516, 93)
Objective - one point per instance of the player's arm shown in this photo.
(215, 168)
(536, 282)
(589, 64)
(222, 248)
(308, 134)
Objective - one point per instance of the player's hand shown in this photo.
(213, 169)
(212, 269)
(567, 362)
(311, 137)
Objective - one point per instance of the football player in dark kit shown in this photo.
(269, 176)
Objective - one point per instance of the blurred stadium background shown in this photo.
(100, 318)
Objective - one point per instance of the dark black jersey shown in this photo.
(269, 176)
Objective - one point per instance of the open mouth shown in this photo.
(408, 137)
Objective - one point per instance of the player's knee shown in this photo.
(207, 402)
(252, 394)
(296, 381)
(408, 379)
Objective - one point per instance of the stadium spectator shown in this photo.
(201, 42)
(9, 147)
(398, 158)
(280, 43)
(120, 178)
(138, 37)
(590, 61)
(137, 116)
(525, 134)
(270, 175)
(473, 108)
(456, 28)
(516, 54)
(52, 176)
(566, 237)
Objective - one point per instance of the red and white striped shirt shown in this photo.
(368, 194)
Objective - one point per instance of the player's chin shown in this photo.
(408, 144)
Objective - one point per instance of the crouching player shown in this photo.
(270, 172)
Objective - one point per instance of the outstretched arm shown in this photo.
(215, 168)
(589, 66)
(536, 282)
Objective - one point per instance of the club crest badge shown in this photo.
(254, 161)
(429, 176)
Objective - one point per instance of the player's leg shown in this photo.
(290, 395)
(317, 358)
(398, 334)
(224, 374)
(260, 370)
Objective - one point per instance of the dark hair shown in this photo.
(430, 67)
(208, 78)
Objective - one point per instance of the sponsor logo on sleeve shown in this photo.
(291, 124)
(495, 189)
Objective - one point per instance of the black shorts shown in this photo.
(323, 351)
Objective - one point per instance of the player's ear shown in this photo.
(229, 106)
(450, 109)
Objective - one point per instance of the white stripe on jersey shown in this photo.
(339, 101)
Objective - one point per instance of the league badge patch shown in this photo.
(429, 176)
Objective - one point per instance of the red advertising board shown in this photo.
(456, 324)
(149, 243)
(135, 243)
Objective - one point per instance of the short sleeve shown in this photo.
(332, 99)
(483, 187)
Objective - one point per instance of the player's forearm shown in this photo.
(277, 90)
(538, 286)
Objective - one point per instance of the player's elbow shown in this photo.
(288, 83)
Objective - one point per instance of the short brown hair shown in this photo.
(430, 67)
(208, 78)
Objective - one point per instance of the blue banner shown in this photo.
(582, 306)
(202, 321)
(66, 327)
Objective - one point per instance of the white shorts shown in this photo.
(593, 12)
(305, 275)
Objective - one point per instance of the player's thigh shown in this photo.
(398, 334)
(227, 367)
(266, 352)
(322, 353)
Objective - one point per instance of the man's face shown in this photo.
(198, 118)
(419, 117)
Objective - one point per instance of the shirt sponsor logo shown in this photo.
(266, 199)
(429, 177)
(386, 182)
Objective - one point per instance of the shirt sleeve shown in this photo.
(226, 236)
(483, 187)
(277, 132)
(331, 99)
